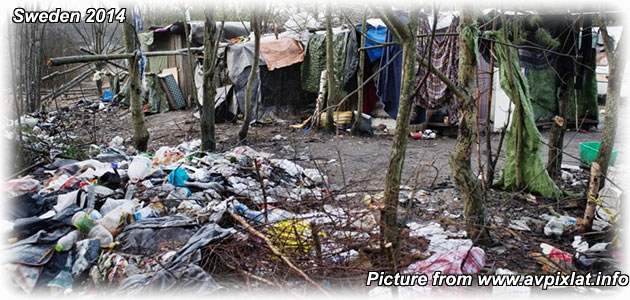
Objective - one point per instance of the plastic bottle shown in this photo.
(83, 222)
(110, 204)
(111, 220)
(139, 168)
(67, 241)
(95, 215)
(102, 234)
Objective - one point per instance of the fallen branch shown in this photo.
(277, 252)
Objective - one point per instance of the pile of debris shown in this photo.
(142, 222)
(44, 135)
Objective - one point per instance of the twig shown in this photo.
(277, 252)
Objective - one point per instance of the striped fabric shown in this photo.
(434, 94)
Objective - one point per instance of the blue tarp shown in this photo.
(378, 34)
(107, 96)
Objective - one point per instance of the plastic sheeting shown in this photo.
(183, 272)
(377, 34)
(147, 236)
(535, 176)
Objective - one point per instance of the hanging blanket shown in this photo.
(434, 93)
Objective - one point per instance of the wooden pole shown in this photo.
(57, 61)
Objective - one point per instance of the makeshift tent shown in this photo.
(277, 93)
(533, 172)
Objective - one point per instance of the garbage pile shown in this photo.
(44, 133)
(137, 223)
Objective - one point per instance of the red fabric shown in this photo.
(451, 262)
(369, 96)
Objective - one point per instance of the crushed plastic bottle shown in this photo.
(153, 210)
(103, 235)
(67, 241)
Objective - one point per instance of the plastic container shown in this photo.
(589, 150)
(83, 222)
(66, 242)
(139, 169)
(111, 220)
(103, 235)
(110, 204)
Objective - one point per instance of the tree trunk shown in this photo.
(355, 126)
(330, 67)
(255, 23)
(592, 196)
(616, 66)
(208, 142)
(389, 227)
(140, 133)
(556, 136)
(459, 160)
(191, 64)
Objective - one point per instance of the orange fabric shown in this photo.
(281, 53)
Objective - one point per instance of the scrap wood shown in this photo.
(277, 252)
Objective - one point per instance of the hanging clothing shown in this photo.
(389, 79)
(434, 94)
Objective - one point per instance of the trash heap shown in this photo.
(44, 134)
(137, 223)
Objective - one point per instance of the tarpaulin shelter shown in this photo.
(172, 37)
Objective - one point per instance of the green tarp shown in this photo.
(535, 177)
(154, 96)
(544, 96)
(315, 62)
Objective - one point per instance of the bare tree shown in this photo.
(249, 89)
(405, 34)
(355, 126)
(140, 132)
(599, 169)
(211, 45)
